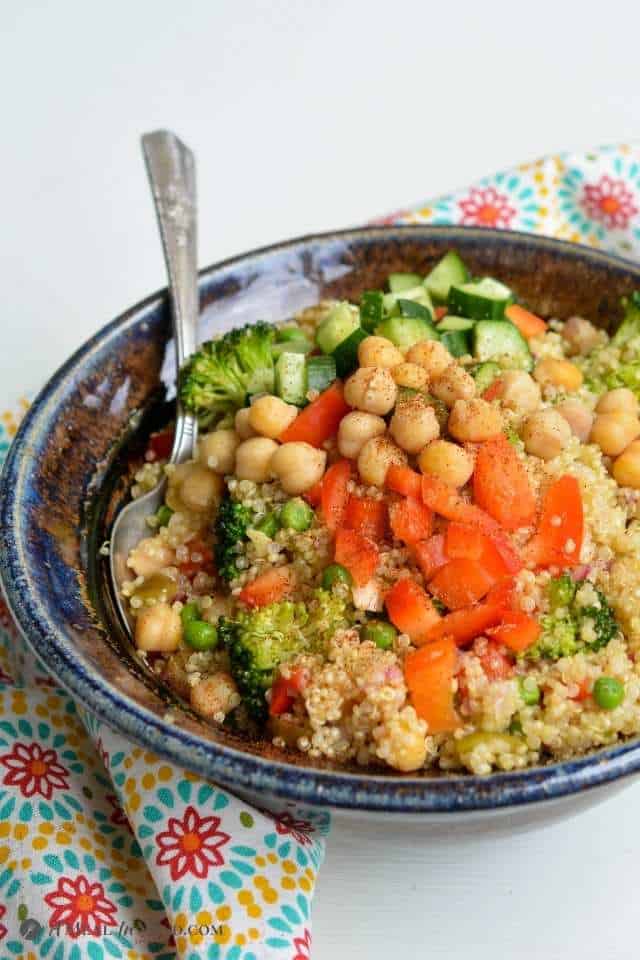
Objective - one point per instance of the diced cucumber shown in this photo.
(405, 331)
(484, 299)
(485, 373)
(500, 338)
(403, 281)
(371, 309)
(411, 308)
(290, 333)
(457, 342)
(447, 272)
(346, 353)
(419, 294)
(292, 346)
(339, 323)
(454, 323)
(291, 378)
(321, 371)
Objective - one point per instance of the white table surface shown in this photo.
(308, 116)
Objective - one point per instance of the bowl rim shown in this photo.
(231, 767)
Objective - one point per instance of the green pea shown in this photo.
(335, 573)
(268, 525)
(296, 515)
(529, 691)
(163, 515)
(201, 635)
(608, 692)
(380, 633)
(189, 613)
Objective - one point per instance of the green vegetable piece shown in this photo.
(158, 588)
(484, 375)
(529, 691)
(447, 271)
(296, 514)
(483, 299)
(454, 323)
(457, 342)
(405, 331)
(403, 281)
(379, 632)
(629, 328)
(230, 529)
(291, 333)
(371, 309)
(200, 635)
(608, 692)
(570, 627)
(411, 308)
(291, 378)
(335, 573)
(163, 515)
(339, 323)
(321, 372)
(189, 613)
(345, 354)
(561, 591)
(500, 338)
(268, 525)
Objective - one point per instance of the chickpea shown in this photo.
(519, 392)
(453, 384)
(447, 461)
(474, 420)
(217, 450)
(432, 356)
(559, 373)
(354, 431)
(410, 375)
(270, 416)
(298, 466)
(253, 459)
(579, 418)
(376, 457)
(580, 335)
(215, 696)
(378, 352)
(150, 556)
(414, 424)
(626, 468)
(621, 400)
(613, 432)
(371, 389)
(243, 428)
(158, 629)
(201, 489)
(546, 433)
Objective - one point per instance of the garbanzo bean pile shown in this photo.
(411, 536)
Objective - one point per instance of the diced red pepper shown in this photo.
(285, 690)
(429, 674)
(320, 420)
(501, 486)
(313, 495)
(493, 391)
(467, 624)
(368, 516)
(558, 541)
(411, 520)
(461, 582)
(410, 609)
(465, 541)
(358, 554)
(403, 480)
(495, 663)
(430, 555)
(517, 631)
(161, 444)
(440, 312)
(334, 495)
(267, 588)
(204, 565)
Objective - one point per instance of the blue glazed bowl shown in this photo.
(63, 483)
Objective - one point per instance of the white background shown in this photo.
(307, 116)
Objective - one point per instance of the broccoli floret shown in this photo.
(259, 641)
(629, 329)
(218, 378)
(571, 626)
(230, 529)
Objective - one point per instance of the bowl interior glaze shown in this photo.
(63, 483)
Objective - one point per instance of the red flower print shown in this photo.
(171, 942)
(609, 201)
(486, 208)
(3, 929)
(191, 845)
(80, 907)
(104, 754)
(118, 816)
(34, 770)
(302, 946)
(298, 829)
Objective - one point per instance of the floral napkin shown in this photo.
(107, 850)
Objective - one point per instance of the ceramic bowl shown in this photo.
(63, 483)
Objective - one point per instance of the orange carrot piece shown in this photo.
(529, 324)
(501, 486)
(429, 676)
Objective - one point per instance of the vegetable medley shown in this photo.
(411, 536)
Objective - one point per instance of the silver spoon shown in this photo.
(171, 171)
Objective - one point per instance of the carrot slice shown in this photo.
(411, 520)
(517, 631)
(467, 624)
(529, 324)
(501, 486)
(268, 588)
(320, 420)
(430, 555)
(368, 516)
(410, 609)
(358, 554)
(429, 673)
(461, 582)
(334, 494)
(403, 480)
(561, 528)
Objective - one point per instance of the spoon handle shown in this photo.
(172, 176)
